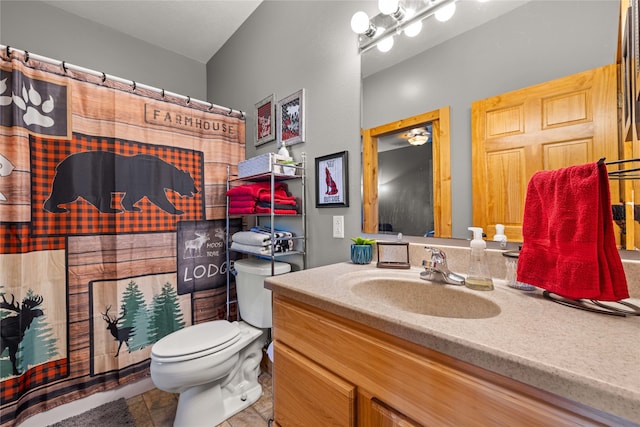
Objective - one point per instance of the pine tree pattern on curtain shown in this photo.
(95, 179)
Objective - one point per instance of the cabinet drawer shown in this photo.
(307, 395)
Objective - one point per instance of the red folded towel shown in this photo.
(257, 188)
(233, 203)
(278, 199)
(260, 209)
(569, 247)
(242, 211)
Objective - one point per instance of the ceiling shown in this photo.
(196, 29)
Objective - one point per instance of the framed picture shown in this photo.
(332, 180)
(291, 119)
(265, 120)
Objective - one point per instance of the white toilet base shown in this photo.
(209, 404)
(196, 401)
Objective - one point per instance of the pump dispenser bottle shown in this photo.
(479, 277)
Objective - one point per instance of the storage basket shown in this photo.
(260, 165)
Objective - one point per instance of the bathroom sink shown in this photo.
(422, 297)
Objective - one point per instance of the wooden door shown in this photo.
(568, 121)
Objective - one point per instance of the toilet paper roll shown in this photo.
(270, 351)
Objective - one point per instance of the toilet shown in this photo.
(214, 366)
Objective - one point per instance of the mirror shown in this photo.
(408, 190)
(405, 182)
(508, 51)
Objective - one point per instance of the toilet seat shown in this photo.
(196, 341)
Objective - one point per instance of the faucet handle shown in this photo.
(437, 257)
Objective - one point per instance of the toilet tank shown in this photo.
(254, 301)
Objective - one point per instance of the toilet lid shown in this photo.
(207, 338)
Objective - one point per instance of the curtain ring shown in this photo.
(162, 93)
(64, 67)
(26, 56)
(188, 100)
(243, 114)
(230, 111)
(133, 85)
(8, 52)
(210, 106)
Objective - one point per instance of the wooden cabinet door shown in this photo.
(384, 416)
(308, 395)
(563, 122)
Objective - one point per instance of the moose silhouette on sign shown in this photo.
(122, 335)
(12, 328)
(193, 248)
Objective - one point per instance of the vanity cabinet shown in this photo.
(331, 371)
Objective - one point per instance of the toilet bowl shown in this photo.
(214, 366)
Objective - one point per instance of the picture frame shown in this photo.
(332, 180)
(291, 119)
(266, 120)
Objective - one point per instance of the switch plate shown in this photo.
(338, 226)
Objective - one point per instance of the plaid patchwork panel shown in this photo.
(13, 388)
(15, 239)
(100, 185)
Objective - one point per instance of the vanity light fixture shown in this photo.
(395, 17)
(445, 12)
(385, 44)
(360, 24)
(393, 8)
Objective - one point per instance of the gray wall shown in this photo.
(48, 31)
(286, 46)
(537, 42)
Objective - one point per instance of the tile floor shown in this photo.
(157, 408)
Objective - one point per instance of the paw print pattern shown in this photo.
(29, 101)
(6, 167)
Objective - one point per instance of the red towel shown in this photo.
(233, 203)
(569, 247)
(258, 188)
(278, 200)
(242, 211)
(260, 209)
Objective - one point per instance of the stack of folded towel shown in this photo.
(256, 198)
(258, 241)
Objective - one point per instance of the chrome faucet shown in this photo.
(436, 269)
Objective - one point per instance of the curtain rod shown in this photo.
(66, 66)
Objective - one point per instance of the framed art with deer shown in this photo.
(332, 180)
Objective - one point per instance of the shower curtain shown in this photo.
(112, 202)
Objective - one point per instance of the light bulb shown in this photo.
(387, 7)
(413, 29)
(445, 13)
(385, 44)
(360, 22)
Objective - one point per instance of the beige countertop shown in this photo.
(587, 357)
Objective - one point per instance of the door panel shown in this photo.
(563, 122)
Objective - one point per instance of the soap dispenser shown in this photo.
(283, 151)
(500, 236)
(479, 277)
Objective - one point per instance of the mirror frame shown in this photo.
(441, 143)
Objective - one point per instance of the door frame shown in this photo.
(441, 143)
